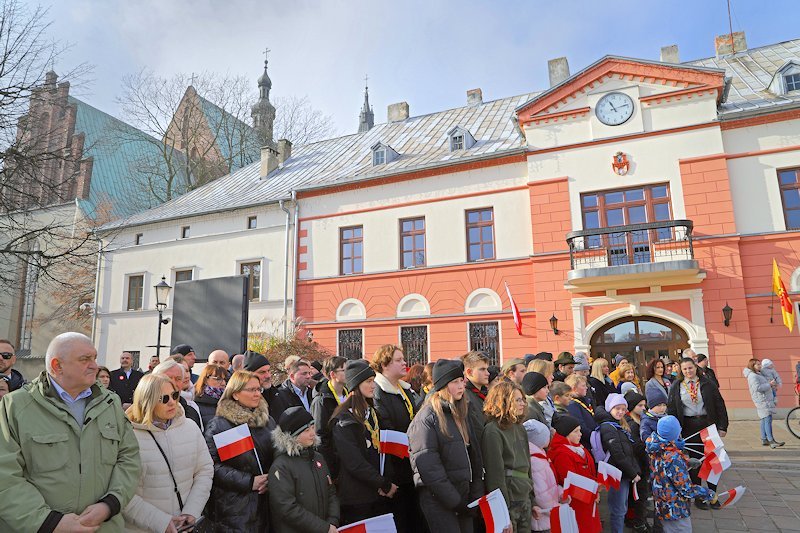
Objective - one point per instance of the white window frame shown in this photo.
(186, 232)
(457, 142)
(379, 152)
(786, 77)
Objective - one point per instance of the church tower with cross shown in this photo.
(263, 112)
(366, 119)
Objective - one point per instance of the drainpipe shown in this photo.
(96, 285)
(296, 244)
(286, 272)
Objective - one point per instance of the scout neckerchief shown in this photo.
(476, 390)
(692, 389)
(587, 407)
(372, 425)
(408, 404)
(336, 396)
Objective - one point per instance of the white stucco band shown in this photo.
(694, 328)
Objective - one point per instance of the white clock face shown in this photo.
(614, 109)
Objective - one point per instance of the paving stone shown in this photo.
(735, 525)
(787, 523)
(781, 511)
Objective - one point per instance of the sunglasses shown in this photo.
(175, 395)
(6, 355)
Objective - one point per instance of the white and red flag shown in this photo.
(515, 311)
(379, 524)
(733, 496)
(233, 442)
(608, 475)
(494, 511)
(711, 439)
(580, 488)
(394, 443)
(714, 464)
(563, 520)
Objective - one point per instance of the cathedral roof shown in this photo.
(232, 134)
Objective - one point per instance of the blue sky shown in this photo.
(428, 53)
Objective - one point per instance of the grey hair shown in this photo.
(57, 345)
(162, 368)
(688, 352)
(237, 362)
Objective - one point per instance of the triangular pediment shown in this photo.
(672, 79)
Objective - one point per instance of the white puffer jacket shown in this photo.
(155, 501)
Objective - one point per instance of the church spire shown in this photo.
(366, 119)
(263, 112)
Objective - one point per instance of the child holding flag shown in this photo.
(673, 489)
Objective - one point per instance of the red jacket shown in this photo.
(566, 460)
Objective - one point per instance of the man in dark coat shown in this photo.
(125, 379)
(476, 372)
(294, 392)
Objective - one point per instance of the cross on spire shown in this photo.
(366, 81)
(192, 79)
(266, 54)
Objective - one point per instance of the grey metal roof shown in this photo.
(751, 73)
(422, 142)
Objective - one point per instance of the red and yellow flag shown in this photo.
(787, 309)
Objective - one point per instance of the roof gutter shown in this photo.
(725, 117)
(286, 271)
(295, 273)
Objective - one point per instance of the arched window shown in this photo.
(413, 305)
(351, 309)
(483, 301)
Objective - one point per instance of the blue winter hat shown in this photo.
(669, 428)
(615, 399)
(655, 396)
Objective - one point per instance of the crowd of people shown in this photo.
(83, 448)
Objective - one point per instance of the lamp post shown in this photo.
(727, 313)
(162, 295)
(554, 323)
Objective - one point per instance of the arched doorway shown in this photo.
(640, 339)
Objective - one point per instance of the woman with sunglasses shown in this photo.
(239, 497)
(177, 471)
(208, 390)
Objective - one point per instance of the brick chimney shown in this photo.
(669, 54)
(474, 97)
(558, 69)
(397, 112)
(284, 150)
(269, 160)
(730, 43)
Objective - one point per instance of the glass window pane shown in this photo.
(408, 260)
(634, 195)
(419, 258)
(357, 249)
(615, 217)
(659, 191)
(347, 266)
(661, 212)
(408, 243)
(592, 220)
(473, 216)
(347, 234)
(624, 332)
(419, 242)
(652, 331)
(357, 232)
(419, 224)
(474, 252)
(486, 215)
(637, 215)
(486, 233)
(590, 200)
(787, 177)
(793, 219)
(791, 198)
(614, 197)
(487, 251)
(357, 265)
(347, 250)
(408, 225)
(474, 235)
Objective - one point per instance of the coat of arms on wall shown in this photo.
(620, 163)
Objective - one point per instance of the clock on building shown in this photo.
(614, 109)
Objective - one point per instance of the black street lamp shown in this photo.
(727, 313)
(162, 296)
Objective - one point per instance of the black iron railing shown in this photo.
(651, 242)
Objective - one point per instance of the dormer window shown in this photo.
(382, 154)
(786, 79)
(378, 157)
(460, 139)
(792, 82)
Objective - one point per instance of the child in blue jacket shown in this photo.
(656, 409)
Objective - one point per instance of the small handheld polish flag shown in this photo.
(714, 464)
(494, 511)
(711, 439)
(580, 488)
(563, 520)
(394, 443)
(234, 442)
(734, 495)
(608, 475)
(379, 524)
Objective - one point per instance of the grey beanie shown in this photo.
(538, 433)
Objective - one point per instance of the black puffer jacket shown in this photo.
(618, 443)
(359, 462)
(600, 391)
(445, 465)
(393, 414)
(302, 497)
(323, 404)
(208, 408)
(233, 505)
(285, 397)
(712, 401)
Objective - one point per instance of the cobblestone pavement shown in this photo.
(772, 478)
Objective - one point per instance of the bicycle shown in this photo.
(793, 416)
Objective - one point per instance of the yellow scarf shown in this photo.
(374, 430)
(336, 396)
(408, 404)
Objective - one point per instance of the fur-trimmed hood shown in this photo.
(284, 443)
(386, 386)
(236, 414)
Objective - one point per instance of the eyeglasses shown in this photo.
(256, 389)
(175, 395)
(215, 378)
(6, 355)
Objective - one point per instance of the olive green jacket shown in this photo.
(507, 461)
(50, 466)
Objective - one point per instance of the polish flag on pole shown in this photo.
(580, 487)
(608, 475)
(233, 442)
(714, 464)
(515, 311)
(733, 495)
(394, 443)
(379, 524)
(711, 439)
(494, 511)
(563, 520)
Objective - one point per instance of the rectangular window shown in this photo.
(135, 292)
(184, 232)
(351, 250)
(183, 275)
(351, 343)
(139, 238)
(412, 242)
(457, 142)
(252, 222)
(485, 337)
(253, 273)
(480, 234)
(414, 340)
(789, 181)
(792, 82)
(378, 157)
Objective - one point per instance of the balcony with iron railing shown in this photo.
(655, 253)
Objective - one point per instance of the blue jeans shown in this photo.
(766, 428)
(618, 505)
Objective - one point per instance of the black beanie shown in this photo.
(565, 424)
(494, 371)
(182, 349)
(356, 371)
(532, 382)
(633, 398)
(295, 420)
(445, 371)
(253, 361)
(544, 356)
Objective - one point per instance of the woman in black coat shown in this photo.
(599, 382)
(208, 390)
(363, 488)
(445, 454)
(238, 499)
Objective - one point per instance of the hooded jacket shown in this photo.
(323, 404)
(619, 443)
(155, 502)
(393, 414)
(669, 477)
(50, 466)
(234, 505)
(649, 424)
(769, 372)
(302, 497)
(545, 489)
(760, 392)
(566, 458)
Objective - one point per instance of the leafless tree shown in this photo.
(298, 121)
